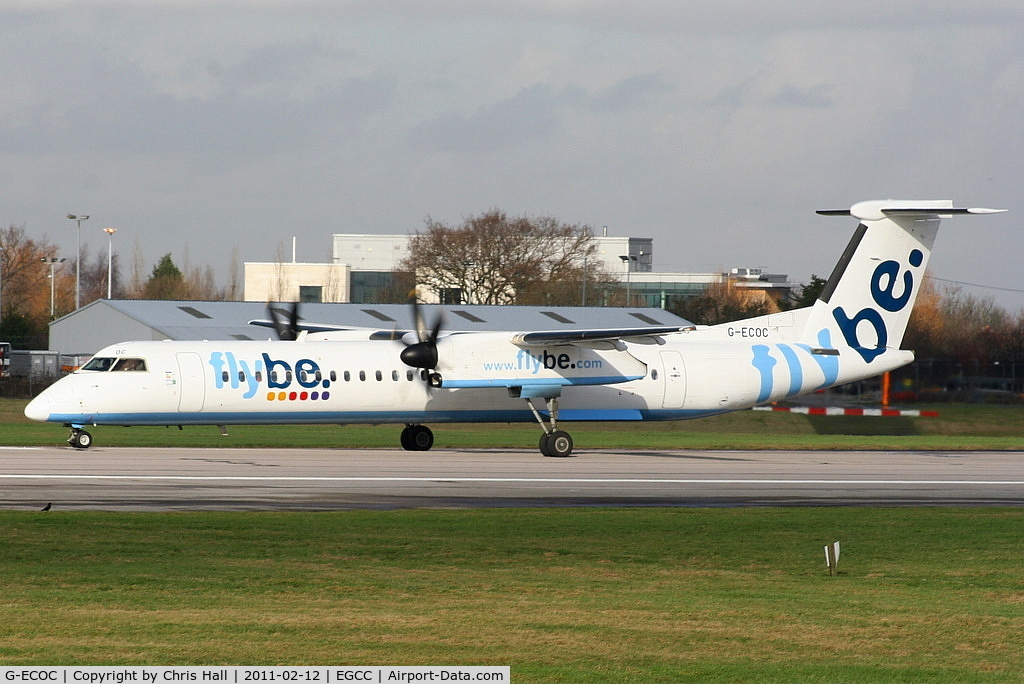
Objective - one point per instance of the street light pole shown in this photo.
(78, 259)
(626, 259)
(110, 257)
(53, 261)
(584, 303)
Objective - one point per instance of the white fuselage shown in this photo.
(484, 379)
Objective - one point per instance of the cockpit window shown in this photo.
(130, 364)
(106, 363)
(99, 363)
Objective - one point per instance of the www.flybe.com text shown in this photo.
(527, 361)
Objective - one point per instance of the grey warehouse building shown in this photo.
(104, 322)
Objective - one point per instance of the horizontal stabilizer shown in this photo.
(878, 209)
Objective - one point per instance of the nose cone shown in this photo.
(38, 408)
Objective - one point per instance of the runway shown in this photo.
(331, 479)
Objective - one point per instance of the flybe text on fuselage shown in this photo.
(238, 373)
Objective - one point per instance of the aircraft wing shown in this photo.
(308, 327)
(598, 335)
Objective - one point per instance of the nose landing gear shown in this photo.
(79, 438)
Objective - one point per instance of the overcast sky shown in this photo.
(716, 128)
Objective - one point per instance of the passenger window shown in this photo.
(379, 376)
(348, 376)
(394, 375)
(362, 376)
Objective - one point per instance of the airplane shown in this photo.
(320, 374)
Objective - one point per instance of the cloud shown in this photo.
(529, 116)
(704, 125)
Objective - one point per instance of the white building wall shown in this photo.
(281, 282)
(370, 252)
(610, 250)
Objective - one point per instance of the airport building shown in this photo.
(365, 270)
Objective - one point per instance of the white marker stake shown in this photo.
(832, 557)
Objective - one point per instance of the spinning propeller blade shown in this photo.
(422, 354)
(286, 323)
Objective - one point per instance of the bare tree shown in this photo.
(26, 273)
(722, 303)
(234, 287)
(496, 259)
(94, 275)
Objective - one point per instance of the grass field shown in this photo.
(727, 595)
(560, 595)
(958, 426)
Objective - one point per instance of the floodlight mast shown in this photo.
(110, 258)
(78, 218)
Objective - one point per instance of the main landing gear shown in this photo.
(554, 442)
(79, 438)
(417, 438)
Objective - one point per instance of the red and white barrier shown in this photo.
(840, 411)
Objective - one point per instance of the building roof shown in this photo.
(106, 322)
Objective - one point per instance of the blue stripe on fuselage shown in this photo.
(345, 417)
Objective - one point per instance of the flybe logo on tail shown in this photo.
(890, 292)
(231, 371)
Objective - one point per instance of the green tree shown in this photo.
(165, 282)
(809, 293)
(24, 332)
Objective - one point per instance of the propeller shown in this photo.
(423, 353)
(286, 323)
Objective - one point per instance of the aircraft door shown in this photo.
(675, 379)
(191, 382)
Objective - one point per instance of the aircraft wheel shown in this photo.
(417, 438)
(80, 439)
(557, 444)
